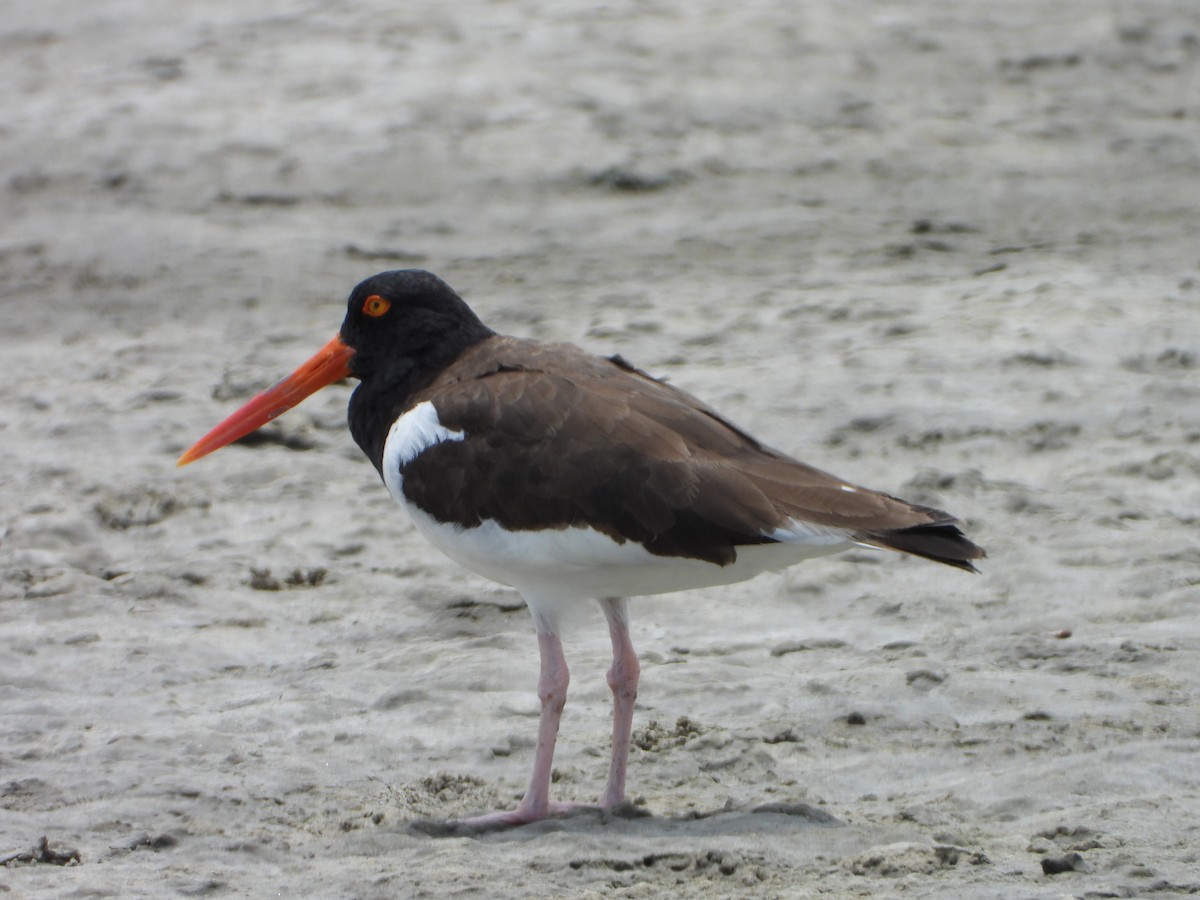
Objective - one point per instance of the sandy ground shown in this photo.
(946, 249)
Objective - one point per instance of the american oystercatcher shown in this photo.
(573, 477)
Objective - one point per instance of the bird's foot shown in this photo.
(522, 815)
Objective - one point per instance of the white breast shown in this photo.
(411, 434)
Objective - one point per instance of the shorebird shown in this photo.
(573, 477)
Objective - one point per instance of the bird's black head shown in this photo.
(407, 321)
(401, 330)
(403, 327)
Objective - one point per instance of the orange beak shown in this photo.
(329, 364)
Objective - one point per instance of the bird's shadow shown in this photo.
(634, 821)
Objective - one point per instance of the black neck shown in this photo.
(385, 395)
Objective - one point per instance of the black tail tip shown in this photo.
(943, 543)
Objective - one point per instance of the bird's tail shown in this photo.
(939, 541)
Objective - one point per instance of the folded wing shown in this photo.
(556, 437)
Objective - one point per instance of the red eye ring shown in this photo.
(375, 306)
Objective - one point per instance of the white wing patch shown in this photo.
(808, 534)
(412, 434)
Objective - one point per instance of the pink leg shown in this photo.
(623, 680)
(552, 691)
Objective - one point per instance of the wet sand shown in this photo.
(947, 250)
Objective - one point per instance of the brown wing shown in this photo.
(556, 437)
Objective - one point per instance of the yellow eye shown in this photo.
(375, 306)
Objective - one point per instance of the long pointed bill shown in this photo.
(329, 364)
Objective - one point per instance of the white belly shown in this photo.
(582, 563)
